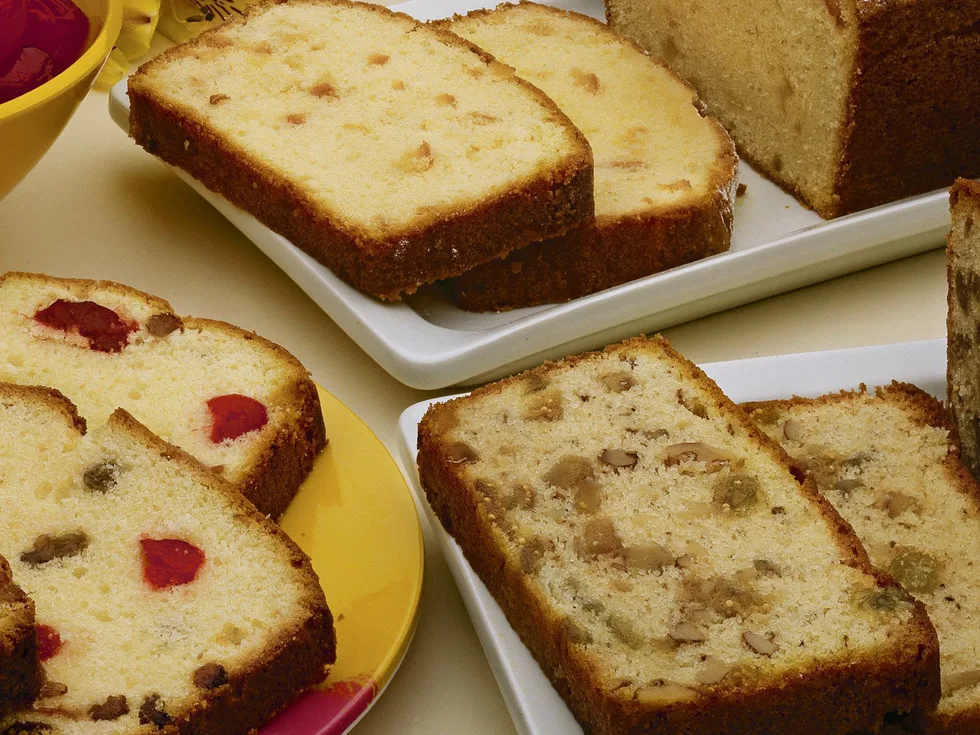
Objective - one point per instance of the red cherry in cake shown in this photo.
(170, 562)
(48, 642)
(105, 330)
(234, 415)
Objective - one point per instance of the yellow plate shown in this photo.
(356, 519)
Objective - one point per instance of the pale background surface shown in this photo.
(99, 207)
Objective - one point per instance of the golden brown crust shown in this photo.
(20, 668)
(290, 664)
(282, 462)
(915, 102)
(615, 250)
(546, 204)
(924, 410)
(841, 697)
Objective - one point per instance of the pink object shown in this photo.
(331, 711)
(48, 642)
(39, 39)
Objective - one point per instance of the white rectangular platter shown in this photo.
(534, 705)
(426, 342)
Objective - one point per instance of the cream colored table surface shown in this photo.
(99, 207)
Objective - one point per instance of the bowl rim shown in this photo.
(93, 57)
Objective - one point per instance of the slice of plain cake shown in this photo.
(394, 153)
(668, 566)
(665, 175)
(165, 602)
(963, 319)
(20, 671)
(237, 402)
(846, 104)
(888, 463)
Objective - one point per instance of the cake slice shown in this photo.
(963, 319)
(20, 672)
(888, 463)
(240, 404)
(668, 566)
(165, 602)
(394, 153)
(665, 175)
(846, 104)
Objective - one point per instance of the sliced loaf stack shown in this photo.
(20, 672)
(393, 152)
(164, 601)
(664, 174)
(666, 563)
(889, 465)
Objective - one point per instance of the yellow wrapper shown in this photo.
(181, 20)
(139, 22)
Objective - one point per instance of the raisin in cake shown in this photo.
(394, 153)
(846, 104)
(664, 174)
(963, 319)
(663, 560)
(239, 403)
(888, 464)
(165, 601)
(20, 673)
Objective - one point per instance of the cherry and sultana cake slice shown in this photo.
(20, 673)
(240, 404)
(164, 601)
(672, 571)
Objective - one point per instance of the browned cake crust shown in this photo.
(924, 410)
(609, 251)
(836, 699)
(963, 296)
(915, 103)
(545, 205)
(594, 258)
(288, 665)
(20, 669)
(283, 462)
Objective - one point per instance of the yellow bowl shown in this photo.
(30, 123)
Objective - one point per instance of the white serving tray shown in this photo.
(777, 246)
(534, 705)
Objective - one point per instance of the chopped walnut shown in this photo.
(546, 405)
(895, 504)
(102, 476)
(569, 472)
(792, 430)
(153, 712)
(588, 496)
(693, 404)
(461, 453)
(651, 557)
(915, 570)
(696, 452)
(759, 644)
(532, 554)
(599, 537)
(687, 632)
(618, 382)
(664, 694)
(960, 680)
(164, 323)
(217, 99)
(618, 458)
(712, 672)
(624, 630)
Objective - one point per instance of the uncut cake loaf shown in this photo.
(165, 602)
(20, 672)
(963, 319)
(667, 565)
(846, 104)
(394, 153)
(888, 463)
(240, 404)
(665, 175)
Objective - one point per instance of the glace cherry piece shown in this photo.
(170, 562)
(48, 642)
(234, 415)
(105, 330)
